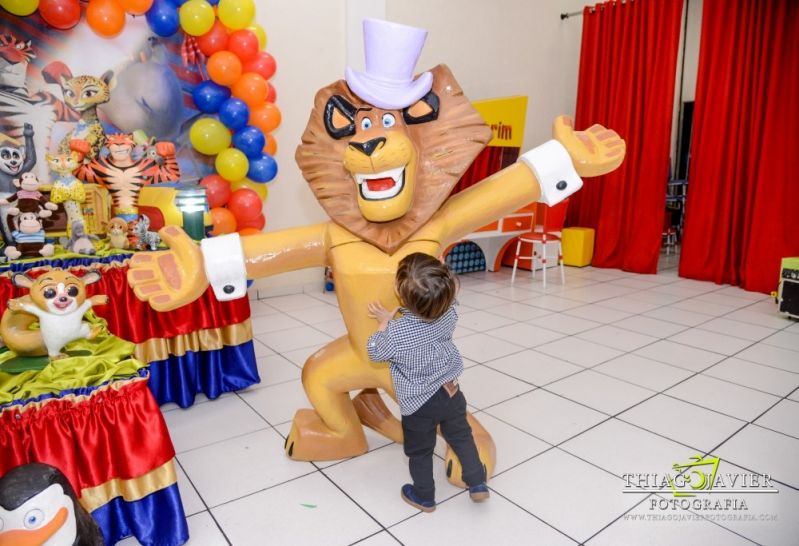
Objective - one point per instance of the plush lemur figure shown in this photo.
(28, 197)
(16, 159)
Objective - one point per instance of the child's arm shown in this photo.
(380, 346)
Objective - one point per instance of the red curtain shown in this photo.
(742, 211)
(628, 62)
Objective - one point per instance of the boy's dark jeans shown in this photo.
(420, 439)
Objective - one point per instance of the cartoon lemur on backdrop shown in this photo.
(16, 159)
(381, 152)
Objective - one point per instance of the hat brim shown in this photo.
(390, 95)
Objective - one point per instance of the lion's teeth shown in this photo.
(397, 174)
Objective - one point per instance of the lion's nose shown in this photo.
(369, 146)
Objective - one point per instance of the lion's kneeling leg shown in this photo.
(332, 430)
(485, 448)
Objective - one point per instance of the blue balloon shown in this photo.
(234, 113)
(262, 169)
(177, 3)
(209, 96)
(163, 18)
(212, 2)
(250, 140)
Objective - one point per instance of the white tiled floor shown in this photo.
(613, 373)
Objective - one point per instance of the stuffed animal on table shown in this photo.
(79, 241)
(29, 237)
(145, 238)
(38, 506)
(28, 197)
(381, 152)
(57, 301)
(67, 188)
(118, 234)
(123, 174)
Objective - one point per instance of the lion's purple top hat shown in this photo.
(392, 51)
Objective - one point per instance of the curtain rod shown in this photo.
(576, 13)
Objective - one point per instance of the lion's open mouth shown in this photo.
(383, 185)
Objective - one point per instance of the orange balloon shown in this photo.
(223, 221)
(251, 88)
(271, 145)
(266, 118)
(136, 7)
(224, 67)
(249, 231)
(105, 17)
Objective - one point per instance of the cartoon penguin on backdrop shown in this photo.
(38, 507)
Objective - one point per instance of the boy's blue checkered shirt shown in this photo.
(421, 353)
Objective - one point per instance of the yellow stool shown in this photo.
(578, 246)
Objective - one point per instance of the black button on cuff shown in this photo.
(228, 289)
(561, 185)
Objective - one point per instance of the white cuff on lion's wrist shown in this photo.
(554, 170)
(224, 266)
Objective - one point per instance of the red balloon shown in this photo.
(214, 40)
(253, 223)
(263, 64)
(105, 17)
(223, 221)
(217, 190)
(271, 94)
(60, 14)
(245, 204)
(244, 44)
(251, 88)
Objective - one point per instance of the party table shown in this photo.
(92, 416)
(204, 347)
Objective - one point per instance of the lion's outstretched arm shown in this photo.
(548, 173)
(286, 250)
(500, 194)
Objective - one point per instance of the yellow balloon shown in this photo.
(20, 7)
(196, 17)
(259, 31)
(261, 189)
(232, 164)
(236, 14)
(209, 136)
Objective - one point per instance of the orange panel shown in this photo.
(493, 226)
(517, 223)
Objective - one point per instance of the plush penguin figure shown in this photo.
(38, 507)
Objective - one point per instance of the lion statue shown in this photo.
(382, 151)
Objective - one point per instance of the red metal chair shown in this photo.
(551, 227)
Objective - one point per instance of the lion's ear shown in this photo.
(339, 117)
(422, 111)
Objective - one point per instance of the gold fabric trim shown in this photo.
(130, 490)
(209, 339)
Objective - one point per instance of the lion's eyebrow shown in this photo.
(364, 110)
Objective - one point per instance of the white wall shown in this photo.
(495, 49)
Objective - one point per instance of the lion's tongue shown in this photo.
(380, 184)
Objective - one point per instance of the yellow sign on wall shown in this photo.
(506, 117)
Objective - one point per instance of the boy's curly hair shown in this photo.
(425, 286)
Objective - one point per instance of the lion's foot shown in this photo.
(311, 440)
(373, 413)
(485, 449)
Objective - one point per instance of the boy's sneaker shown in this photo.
(410, 497)
(479, 493)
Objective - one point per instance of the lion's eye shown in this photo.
(366, 124)
(388, 121)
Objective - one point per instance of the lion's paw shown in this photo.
(311, 440)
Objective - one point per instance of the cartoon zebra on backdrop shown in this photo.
(19, 106)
